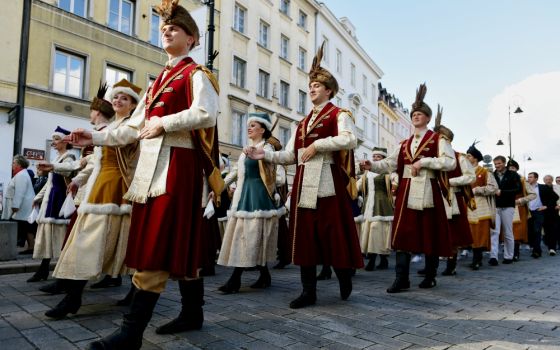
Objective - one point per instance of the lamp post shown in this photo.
(526, 158)
(500, 143)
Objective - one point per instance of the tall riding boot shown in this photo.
(309, 283)
(129, 336)
(71, 302)
(432, 263)
(234, 282)
(325, 273)
(516, 251)
(345, 282)
(402, 265)
(451, 266)
(383, 263)
(128, 298)
(58, 286)
(476, 259)
(371, 262)
(191, 316)
(42, 273)
(264, 280)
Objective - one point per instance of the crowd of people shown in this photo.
(156, 200)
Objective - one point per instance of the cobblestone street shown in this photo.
(505, 307)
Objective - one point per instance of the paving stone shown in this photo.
(8, 332)
(19, 343)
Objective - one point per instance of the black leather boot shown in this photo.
(309, 282)
(432, 263)
(191, 316)
(383, 263)
(42, 273)
(129, 336)
(264, 280)
(345, 282)
(371, 262)
(402, 265)
(476, 259)
(107, 282)
(71, 302)
(325, 274)
(128, 298)
(516, 251)
(450, 268)
(234, 282)
(56, 287)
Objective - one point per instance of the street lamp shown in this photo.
(517, 111)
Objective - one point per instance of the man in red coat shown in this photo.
(176, 124)
(420, 223)
(322, 227)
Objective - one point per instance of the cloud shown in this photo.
(536, 131)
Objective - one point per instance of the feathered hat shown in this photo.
(60, 132)
(262, 118)
(473, 151)
(126, 87)
(380, 151)
(419, 105)
(512, 162)
(100, 104)
(440, 128)
(173, 13)
(321, 75)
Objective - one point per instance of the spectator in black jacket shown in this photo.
(542, 215)
(509, 185)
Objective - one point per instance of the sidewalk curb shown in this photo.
(27, 267)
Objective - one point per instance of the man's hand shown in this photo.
(518, 202)
(308, 153)
(152, 129)
(498, 193)
(79, 137)
(543, 208)
(44, 166)
(415, 169)
(365, 164)
(72, 188)
(254, 152)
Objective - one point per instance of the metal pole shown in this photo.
(211, 30)
(22, 77)
(509, 128)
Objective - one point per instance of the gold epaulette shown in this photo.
(210, 76)
(344, 110)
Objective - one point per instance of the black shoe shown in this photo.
(264, 280)
(67, 306)
(191, 316)
(305, 299)
(516, 258)
(398, 286)
(371, 262)
(233, 283)
(325, 274)
(57, 287)
(128, 298)
(108, 281)
(26, 252)
(507, 261)
(449, 272)
(384, 263)
(280, 265)
(493, 262)
(535, 255)
(474, 266)
(344, 282)
(428, 283)
(421, 272)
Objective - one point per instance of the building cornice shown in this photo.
(388, 110)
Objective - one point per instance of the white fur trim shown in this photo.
(359, 219)
(260, 120)
(124, 90)
(257, 213)
(379, 218)
(53, 221)
(105, 209)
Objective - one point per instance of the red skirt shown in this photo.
(165, 231)
(421, 231)
(325, 235)
(70, 226)
(461, 235)
(211, 241)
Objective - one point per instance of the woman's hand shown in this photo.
(254, 152)
(79, 137)
(152, 129)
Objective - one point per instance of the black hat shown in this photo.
(473, 151)
(512, 162)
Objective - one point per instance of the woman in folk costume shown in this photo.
(98, 240)
(375, 236)
(521, 215)
(176, 125)
(420, 224)
(321, 223)
(252, 231)
(51, 227)
(481, 217)
(460, 180)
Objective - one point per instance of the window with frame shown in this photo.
(284, 136)
(77, 7)
(372, 93)
(302, 19)
(263, 84)
(338, 61)
(155, 33)
(284, 94)
(239, 72)
(364, 86)
(114, 74)
(264, 33)
(68, 73)
(285, 7)
(326, 50)
(373, 132)
(239, 18)
(151, 80)
(353, 74)
(302, 102)
(121, 15)
(302, 58)
(284, 47)
(239, 128)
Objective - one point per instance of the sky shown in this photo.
(477, 57)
